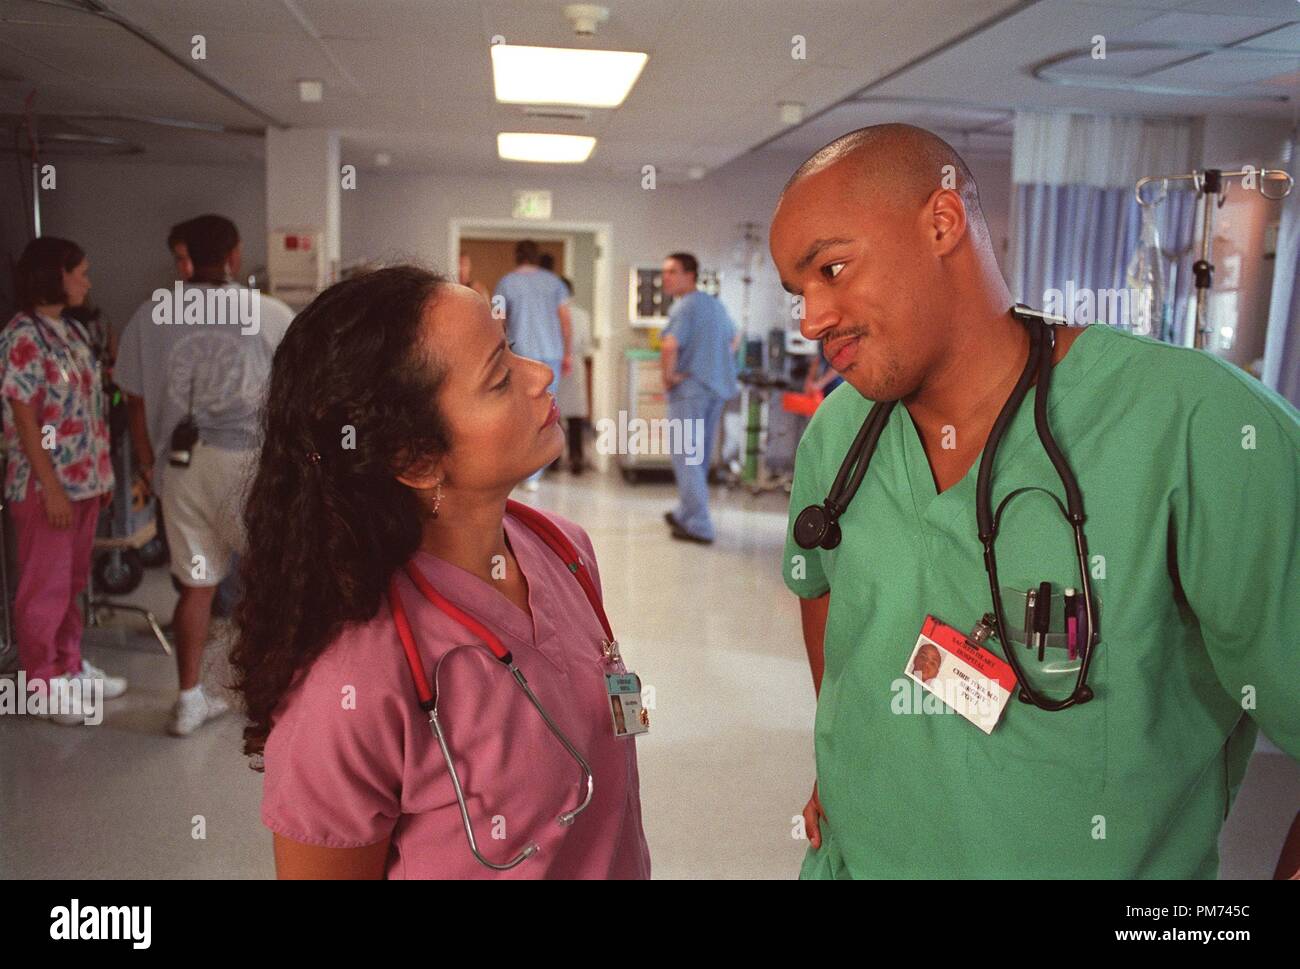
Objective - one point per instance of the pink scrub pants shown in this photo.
(53, 565)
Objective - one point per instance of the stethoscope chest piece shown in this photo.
(814, 528)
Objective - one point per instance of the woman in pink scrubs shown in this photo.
(397, 423)
(59, 472)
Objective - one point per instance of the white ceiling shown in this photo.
(969, 91)
(412, 77)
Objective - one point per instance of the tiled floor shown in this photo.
(723, 771)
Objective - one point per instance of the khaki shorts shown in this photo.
(203, 509)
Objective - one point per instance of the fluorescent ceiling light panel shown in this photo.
(564, 75)
(532, 147)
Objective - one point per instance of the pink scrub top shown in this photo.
(351, 758)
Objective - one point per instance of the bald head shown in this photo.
(880, 237)
(900, 163)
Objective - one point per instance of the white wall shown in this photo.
(303, 187)
(406, 216)
(397, 216)
(120, 211)
(1231, 142)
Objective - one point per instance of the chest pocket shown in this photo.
(1064, 749)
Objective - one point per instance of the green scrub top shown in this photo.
(1189, 469)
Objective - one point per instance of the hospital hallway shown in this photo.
(725, 769)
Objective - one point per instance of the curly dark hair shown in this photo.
(352, 403)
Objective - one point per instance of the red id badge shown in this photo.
(969, 680)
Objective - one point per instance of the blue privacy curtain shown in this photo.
(1282, 349)
(1075, 219)
(1087, 235)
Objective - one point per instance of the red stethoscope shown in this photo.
(427, 689)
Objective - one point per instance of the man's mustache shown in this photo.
(836, 338)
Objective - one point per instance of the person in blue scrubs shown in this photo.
(538, 326)
(699, 367)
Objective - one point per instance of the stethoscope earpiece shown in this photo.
(818, 526)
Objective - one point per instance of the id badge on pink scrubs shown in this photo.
(969, 680)
(629, 715)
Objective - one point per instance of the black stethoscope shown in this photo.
(818, 525)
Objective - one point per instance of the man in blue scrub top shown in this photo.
(699, 369)
(1190, 475)
(538, 326)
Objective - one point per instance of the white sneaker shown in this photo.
(62, 686)
(190, 714)
(114, 686)
(64, 719)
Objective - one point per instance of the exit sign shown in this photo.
(532, 204)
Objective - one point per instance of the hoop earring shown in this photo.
(437, 498)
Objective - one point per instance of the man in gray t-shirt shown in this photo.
(200, 351)
(170, 366)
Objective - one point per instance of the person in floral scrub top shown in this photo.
(59, 472)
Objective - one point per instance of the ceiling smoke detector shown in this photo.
(586, 17)
(791, 111)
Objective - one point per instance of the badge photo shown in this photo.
(968, 680)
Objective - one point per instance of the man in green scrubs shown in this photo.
(1189, 471)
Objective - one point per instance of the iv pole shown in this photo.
(754, 441)
(1211, 187)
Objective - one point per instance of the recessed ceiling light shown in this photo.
(310, 92)
(564, 75)
(535, 147)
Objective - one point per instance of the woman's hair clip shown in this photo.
(313, 457)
